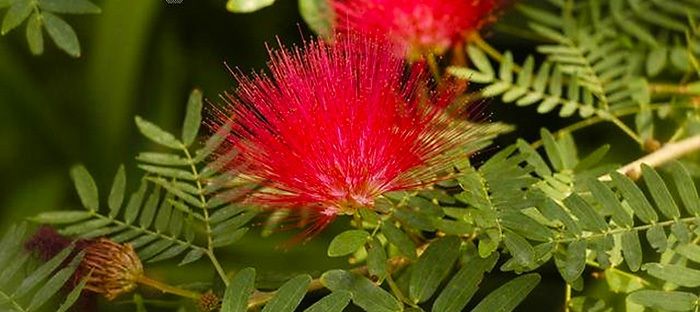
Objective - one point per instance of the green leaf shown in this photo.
(192, 256)
(162, 159)
(464, 284)
(156, 134)
(432, 267)
(35, 37)
(686, 188)
(54, 284)
(169, 253)
(347, 242)
(247, 6)
(657, 238)
(134, 205)
(239, 291)
(573, 262)
(289, 295)
(335, 302)
(193, 117)
(520, 248)
(665, 300)
(508, 296)
(12, 268)
(58, 217)
(318, 15)
(377, 260)
(505, 72)
(116, 194)
(690, 251)
(480, 60)
(677, 274)
(163, 216)
(11, 241)
(365, 294)
(632, 250)
(18, 12)
(552, 149)
(635, 197)
(656, 60)
(168, 172)
(73, 296)
(41, 273)
(592, 159)
(155, 248)
(539, 15)
(62, 34)
(85, 185)
(85, 227)
(660, 193)
(228, 238)
(609, 200)
(213, 142)
(69, 6)
(469, 74)
(149, 208)
(398, 238)
(234, 222)
(589, 218)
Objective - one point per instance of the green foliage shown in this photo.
(177, 194)
(26, 287)
(42, 13)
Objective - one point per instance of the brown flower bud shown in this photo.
(209, 302)
(114, 268)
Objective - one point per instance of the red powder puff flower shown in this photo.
(337, 125)
(416, 27)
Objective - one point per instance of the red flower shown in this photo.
(415, 26)
(335, 126)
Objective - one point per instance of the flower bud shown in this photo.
(113, 268)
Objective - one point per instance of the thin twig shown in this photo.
(668, 152)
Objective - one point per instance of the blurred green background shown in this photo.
(138, 57)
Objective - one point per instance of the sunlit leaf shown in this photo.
(432, 267)
(347, 242)
(289, 295)
(239, 291)
(365, 294)
(85, 186)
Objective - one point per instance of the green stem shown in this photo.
(623, 230)
(478, 41)
(144, 230)
(618, 271)
(598, 119)
(626, 130)
(665, 88)
(10, 299)
(207, 225)
(168, 288)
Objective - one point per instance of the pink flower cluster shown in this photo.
(416, 27)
